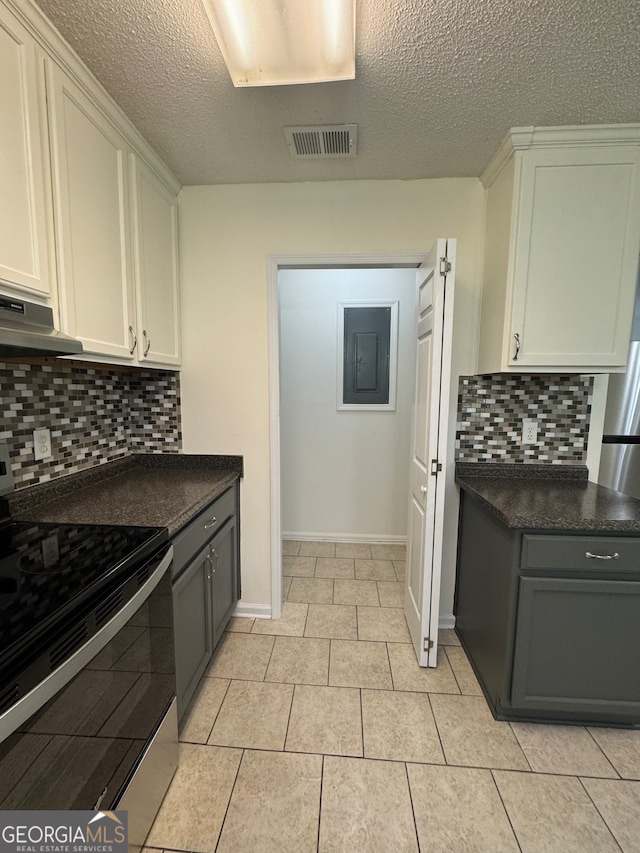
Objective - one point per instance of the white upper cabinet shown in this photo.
(88, 212)
(155, 225)
(561, 250)
(25, 223)
(91, 202)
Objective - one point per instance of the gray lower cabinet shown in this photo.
(577, 646)
(193, 626)
(206, 587)
(550, 622)
(224, 577)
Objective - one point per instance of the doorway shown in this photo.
(309, 263)
(344, 470)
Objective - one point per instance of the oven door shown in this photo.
(77, 740)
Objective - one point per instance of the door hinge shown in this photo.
(435, 467)
(445, 266)
(428, 644)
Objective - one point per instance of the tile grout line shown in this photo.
(393, 681)
(413, 810)
(320, 803)
(233, 787)
(435, 764)
(595, 805)
(264, 675)
(218, 711)
(453, 672)
(306, 618)
(504, 806)
(515, 734)
(611, 764)
(435, 720)
(286, 734)
(362, 723)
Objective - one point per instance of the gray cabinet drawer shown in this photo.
(203, 527)
(588, 554)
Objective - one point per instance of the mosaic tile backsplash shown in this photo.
(491, 410)
(96, 413)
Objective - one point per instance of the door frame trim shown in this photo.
(357, 260)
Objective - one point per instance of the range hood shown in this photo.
(26, 330)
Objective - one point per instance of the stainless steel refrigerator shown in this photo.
(620, 458)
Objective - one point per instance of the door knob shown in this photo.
(423, 489)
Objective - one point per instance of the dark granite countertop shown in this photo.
(147, 490)
(549, 499)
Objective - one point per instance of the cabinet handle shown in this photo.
(213, 551)
(148, 340)
(212, 567)
(210, 523)
(516, 338)
(134, 339)
(590, 556)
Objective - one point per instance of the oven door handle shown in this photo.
(48, 687)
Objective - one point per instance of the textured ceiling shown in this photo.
(438, 83)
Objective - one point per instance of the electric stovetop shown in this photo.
(49, 571)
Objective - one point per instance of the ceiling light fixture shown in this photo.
(281, 42)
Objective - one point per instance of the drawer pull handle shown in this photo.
(210, 523)
(590, 556)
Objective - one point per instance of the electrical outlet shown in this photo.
(42, 443)
(529, 431)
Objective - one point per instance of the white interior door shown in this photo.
(435, 281)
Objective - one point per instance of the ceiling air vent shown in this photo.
(322, 142)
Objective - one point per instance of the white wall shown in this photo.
(344, 474)
(226, 236)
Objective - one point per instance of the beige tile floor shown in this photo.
(319, 732)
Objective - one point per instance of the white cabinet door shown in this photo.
(576, 256)
(561, 250)
(155, 218)
(91, 202)
(25, 254)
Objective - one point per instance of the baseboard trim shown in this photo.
(446, 621)
(371, 538)
(252, 611)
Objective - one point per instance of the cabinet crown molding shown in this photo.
(526, 138)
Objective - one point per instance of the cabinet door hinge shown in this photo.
(428, 644)
(445, 266)
(435, 467)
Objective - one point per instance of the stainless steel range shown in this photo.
(87, 669)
